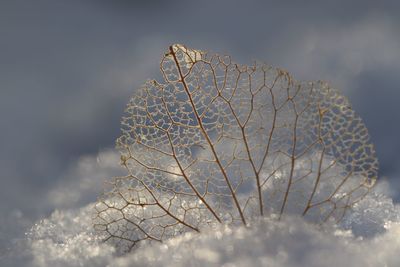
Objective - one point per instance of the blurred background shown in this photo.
(68, 68)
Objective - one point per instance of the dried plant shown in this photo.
(218, 142)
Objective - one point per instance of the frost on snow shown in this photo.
(66, 239)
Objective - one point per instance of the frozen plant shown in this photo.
(218, 142)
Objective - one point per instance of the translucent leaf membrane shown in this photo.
(219, 142)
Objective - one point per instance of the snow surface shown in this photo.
(368, 236)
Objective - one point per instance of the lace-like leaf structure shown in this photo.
(219, 142)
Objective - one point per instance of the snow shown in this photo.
(368, 236)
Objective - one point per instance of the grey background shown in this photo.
(67, 69)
